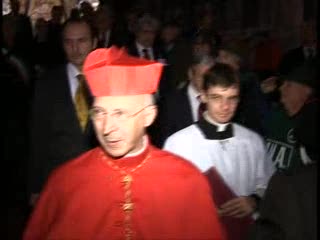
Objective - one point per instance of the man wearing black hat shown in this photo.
(298, 105)
(288, 209)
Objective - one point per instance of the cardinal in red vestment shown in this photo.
(125, 188)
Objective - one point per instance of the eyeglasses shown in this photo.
(119, 115)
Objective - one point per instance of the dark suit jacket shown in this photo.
(55, 133)
(175, 113)
(289, 208)
(157, 52)
(118, 37)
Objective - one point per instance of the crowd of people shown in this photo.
(131, 126)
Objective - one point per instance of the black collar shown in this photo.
(210, 130)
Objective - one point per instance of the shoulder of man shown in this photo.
(174, 164)
(244, 132)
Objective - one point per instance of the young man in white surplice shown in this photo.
(214, 142)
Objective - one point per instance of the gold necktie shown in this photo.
(81, 104)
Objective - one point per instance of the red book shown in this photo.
(236, 228)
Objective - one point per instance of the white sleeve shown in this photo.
(172, 145)
(265, 167)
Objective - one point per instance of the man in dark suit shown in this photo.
(56, 132)
(179, 109)
(307, 50)
(144, 44)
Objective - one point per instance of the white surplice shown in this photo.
(240, 160)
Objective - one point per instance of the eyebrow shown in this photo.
(219, 95)
(113, 110)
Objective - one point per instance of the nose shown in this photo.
(109, 125)
(225, 104)
(74, 46)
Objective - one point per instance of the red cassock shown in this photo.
(155, 195)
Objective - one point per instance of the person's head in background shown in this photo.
(200, 64)
(41, 30)
(170, 32)
(221, 92)
(104, 18)
(203, 45)
(230, 54)
(205, 16)
(299, 86)
(57, 13)
(131, 16)
(146, 30)
(123, 104)
(79, 39)
(86, 9)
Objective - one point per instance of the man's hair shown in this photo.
(79, 20)
(220, 74)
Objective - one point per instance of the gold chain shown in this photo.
(128, 205)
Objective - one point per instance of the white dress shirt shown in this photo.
(193, 96)
(140, 51)
(73, 72)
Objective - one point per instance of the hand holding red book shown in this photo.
(236, 227)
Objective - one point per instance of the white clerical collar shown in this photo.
(144, 146)
(72, 70)
(141, 47)
(220, 126)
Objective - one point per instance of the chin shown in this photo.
(291, 112)
(224, 120)
(116, 153)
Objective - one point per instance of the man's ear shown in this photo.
(150, 114)
(203, 97)
(190, 73)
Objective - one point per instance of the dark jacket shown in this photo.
(55, 133)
